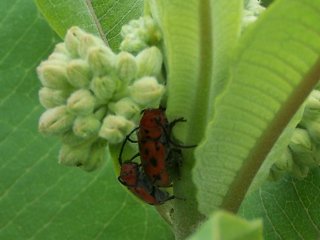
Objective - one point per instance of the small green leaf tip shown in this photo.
(94, 96)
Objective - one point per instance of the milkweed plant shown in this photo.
(244, 77)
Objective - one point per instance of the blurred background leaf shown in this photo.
(40, 199)
(226, 226)
(290, 208)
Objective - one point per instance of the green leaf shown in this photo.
(182, 41)
(225, 226)
(275, 68)
(289, 208)
(103, 18)
(189, 40)
(40, 199)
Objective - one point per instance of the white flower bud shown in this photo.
(56, 121)
(69, 138)
(153, 32)
(115, 128)
(149, 62)
(139, 34)
(59, 57)
(303, 149)
(125, 107)
(50, 98)
(299, 171)
(103, 88)
(285, 161)
(61, 48)
(72, 40)
(313, 127)
(53, 75)
(101, 112)
(132, 44)
(282, 165)
(146, 91)
(101, 60)
(79, 74)
(87, 42)
(96, 156)
(74, 156)
(300, 141)
(86, 126)
(312, 105)
(81, 102)
(126, 66)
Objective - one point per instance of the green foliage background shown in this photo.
(40, 199)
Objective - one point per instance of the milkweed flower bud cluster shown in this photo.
(303, 151)
(93, 96)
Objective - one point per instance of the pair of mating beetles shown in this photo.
(160, 157)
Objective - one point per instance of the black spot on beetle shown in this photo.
(157, 146)
(146, 151)
(157, 177)
(153, 161)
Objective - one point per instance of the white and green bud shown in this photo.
(126, 66)
(115, 128)
(149, 62)
(50, 98)
(153, 31)
(313, 127)
(312, 105)
(146, 91)
(101, 60)
(69, 138)
(79, 73)
(59, 57)
(56, 120)
(72, 40)
(103, 88)
(101, 112)
(125, 107)
(61, 48)
(282, 165)
(303, 148)
(132, 44)
(86, 126)
(299, 171)
(81, 102)
(96, 156)
(88, 42)
(285, 162)
(74, 156)
(300, 141)
(53, 75)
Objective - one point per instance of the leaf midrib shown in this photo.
(247, 172)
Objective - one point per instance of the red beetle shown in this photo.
(160, 155)
(137, 182)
